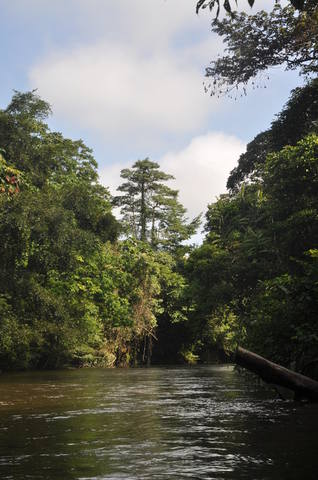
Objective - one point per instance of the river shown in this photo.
(204, 422)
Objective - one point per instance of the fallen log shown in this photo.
(304, 387)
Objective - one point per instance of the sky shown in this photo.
(127, 77)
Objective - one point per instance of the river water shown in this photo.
(159, 423)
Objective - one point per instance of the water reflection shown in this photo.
(168, 423)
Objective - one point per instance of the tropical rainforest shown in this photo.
(79, 287)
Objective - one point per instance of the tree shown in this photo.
(302, 5)
(44, 156)
(254, 280)
(298, 118)
(54, 221)
(256, 42)
(151, 211)
(70, 292)
(9, 178)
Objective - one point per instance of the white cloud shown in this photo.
(200, 169)
(149, 22)
(139, 80)
(122, 93)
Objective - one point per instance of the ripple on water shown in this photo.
(172, 423)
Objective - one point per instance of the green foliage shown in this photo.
(298, 118)
(225, 329)
(254, 280)
(150, 209)
(302, 5)
(60, 215)
(43, 156)
(189, 357)
(15, 337)
(283, 317)
(257, 42)
(70, 293)
(143, 196)
(9, 178)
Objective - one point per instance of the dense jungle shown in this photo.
(80, 286)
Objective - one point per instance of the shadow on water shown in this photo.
(164, 423)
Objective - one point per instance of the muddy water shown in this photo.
(158, 423)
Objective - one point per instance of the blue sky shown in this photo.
(126, 76)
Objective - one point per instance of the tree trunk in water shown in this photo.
(304, 387)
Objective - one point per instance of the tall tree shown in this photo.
(151, 210)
